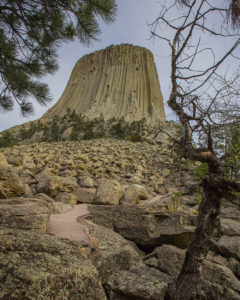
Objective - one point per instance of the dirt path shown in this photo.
(66, 226)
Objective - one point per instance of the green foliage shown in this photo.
(199, 198)
(135, 137)
(175, 202)
(83, 128)
(231, 158)
(55, 131)
(201, 171)
(7, 139)
(119, 129)
(131, 131)
(90, 134)
(30, 33)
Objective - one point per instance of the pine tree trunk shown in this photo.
(208, 227)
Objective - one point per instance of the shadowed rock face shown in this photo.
(119, 81)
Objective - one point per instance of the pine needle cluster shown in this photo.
(30, 33)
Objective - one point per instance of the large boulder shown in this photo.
(48, 183)
(84, 195)
(86, 181)
(133, 194)
(109, 191)
(170, 259)
(229, 246)
(147, 228)
(230, 227)
(25, 213)
(216, 281)
(140, 283)
(11, 184)
(34, 266)
(65, 197)
(110, 252)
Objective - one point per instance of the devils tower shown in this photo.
(119, 81)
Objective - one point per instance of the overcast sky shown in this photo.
(129, 27)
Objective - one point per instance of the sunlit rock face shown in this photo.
(119, 81)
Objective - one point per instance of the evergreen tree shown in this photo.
(30, 33)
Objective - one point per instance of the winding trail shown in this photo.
(66, 226)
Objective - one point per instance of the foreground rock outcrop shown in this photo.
(35, 266)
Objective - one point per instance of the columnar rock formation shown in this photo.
(119, 81)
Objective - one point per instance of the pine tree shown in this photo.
(30, 33)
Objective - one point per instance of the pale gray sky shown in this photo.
(130, 27)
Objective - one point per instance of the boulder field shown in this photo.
(106, 219)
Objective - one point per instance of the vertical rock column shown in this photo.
(119, 81)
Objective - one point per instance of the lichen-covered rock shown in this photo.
(133, 194)
(15, 160)
(86, 181)
(109, 191)
(140, 283)
(11, 184)
(170, 259)
(3, 161)
(48, 184)
(215, 282)
(85, 195)
(25, 213)
(218, 282)
(34, 266)
(68, 198)
(230, 227)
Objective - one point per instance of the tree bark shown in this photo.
(208, 227)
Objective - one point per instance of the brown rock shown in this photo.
(86, 181)
(3, 161)
(16, 160)
(48, 184)
(68, 198)
(11, 184)
(109, 191)
(25, 213)
(133, 194)
(84, 195)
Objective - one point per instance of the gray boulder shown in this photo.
(110, 253)
(147, 228)
(140, 283)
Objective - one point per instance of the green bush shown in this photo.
(175, 202)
